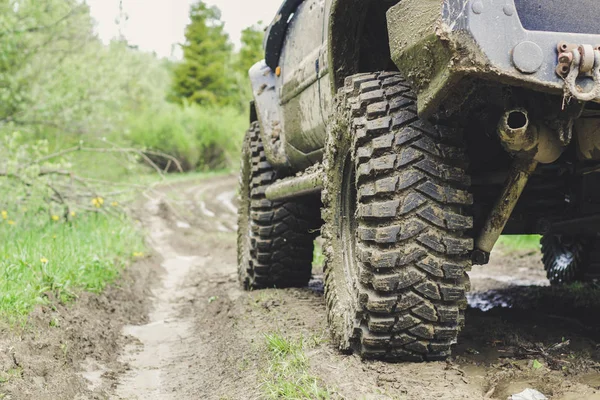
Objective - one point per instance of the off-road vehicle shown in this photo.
(417, 132)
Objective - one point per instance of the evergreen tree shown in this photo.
(252, 47)
(204, 77)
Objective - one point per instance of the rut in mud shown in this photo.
(201, 337)
(205, 338)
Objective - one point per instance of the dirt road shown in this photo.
(201, 337)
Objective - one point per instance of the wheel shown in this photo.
(275, 239)
(396, 213)
(569, 259)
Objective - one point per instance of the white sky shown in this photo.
(157, 25)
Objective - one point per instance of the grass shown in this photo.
(10, 374)
(520, 242)
(42, 260)
(318, 256)
(287, 376)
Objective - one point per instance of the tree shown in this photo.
(204, 77)
(59, 82)
(252, 47)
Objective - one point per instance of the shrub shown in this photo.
(201, 138)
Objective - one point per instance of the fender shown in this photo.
(347, 21)
(268, 113)
(276, 31)
(345, 26)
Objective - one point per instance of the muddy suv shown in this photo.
(416, 133)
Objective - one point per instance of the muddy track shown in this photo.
(201, 337)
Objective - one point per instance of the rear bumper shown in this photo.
(454, 39)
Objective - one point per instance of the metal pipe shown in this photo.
(513, 127)
(531, 143)
(518, 177)
(529, 139)
(289, 188)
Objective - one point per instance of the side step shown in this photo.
(296, 186)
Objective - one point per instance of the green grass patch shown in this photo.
(10, 374)
(44, 260)
(520, 242)
(318, 256)
(287, 376)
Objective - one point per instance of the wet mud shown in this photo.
(196, 335)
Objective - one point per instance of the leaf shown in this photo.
(536, 364)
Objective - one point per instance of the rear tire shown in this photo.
(275, 239)
(569, 259)
(396, 214)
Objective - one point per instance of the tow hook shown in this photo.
(575, 61)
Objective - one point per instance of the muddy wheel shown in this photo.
(396, 212)
(275, 239)
(569, 259)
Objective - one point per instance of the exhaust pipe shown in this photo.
(530, 143)
(524, 138)
(513, 125)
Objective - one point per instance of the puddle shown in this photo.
(316, 284)
(499, 290)
(510, 280)
(485, 301)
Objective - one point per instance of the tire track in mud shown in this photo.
(205, 337)
(164, 364)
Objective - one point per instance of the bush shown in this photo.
(201, 138)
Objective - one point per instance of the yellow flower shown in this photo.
(114, 204)
(11, 222)
(44, 260)
(53, 236)
(55, 218)
(4, 214)
(73, 213)
(138, 254)
(97, 202)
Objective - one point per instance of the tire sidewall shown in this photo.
(244, 220)
(340, 297)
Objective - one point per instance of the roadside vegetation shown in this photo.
(520, 242)
(87, 127)
(44, 260)
(288, 376)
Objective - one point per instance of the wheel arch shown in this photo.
(354, 27)
(265, 109)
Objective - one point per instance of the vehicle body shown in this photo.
(519, 83)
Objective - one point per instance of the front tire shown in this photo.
(396, 212)
(275, 239)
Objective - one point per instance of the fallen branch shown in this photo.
(55, 183)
